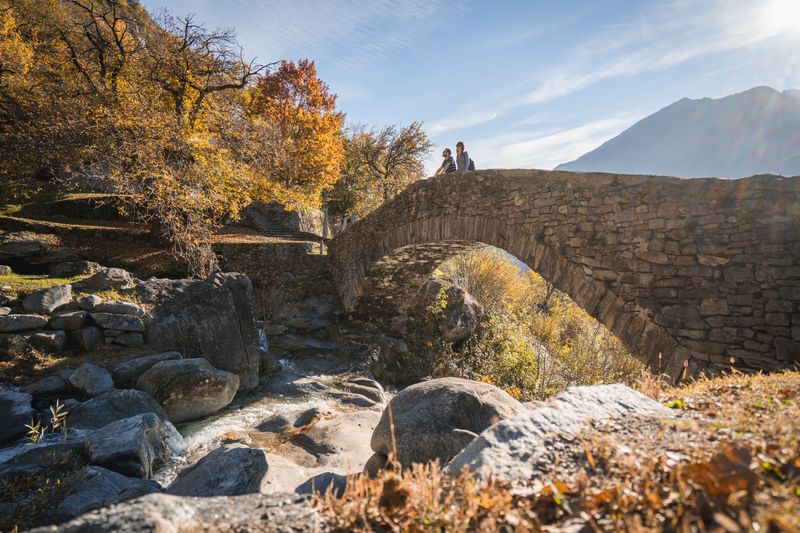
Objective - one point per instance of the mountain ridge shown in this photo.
(752, 132)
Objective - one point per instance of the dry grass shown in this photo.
(729, 461)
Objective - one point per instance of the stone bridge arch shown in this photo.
(706, 270)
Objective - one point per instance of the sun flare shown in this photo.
(783, 15)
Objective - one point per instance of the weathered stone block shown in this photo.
(787, 350)
(118, 322)
(711, 306)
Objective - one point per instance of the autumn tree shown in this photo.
(378, 165)
(298, 114)
(96, 94)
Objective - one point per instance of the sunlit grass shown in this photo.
(23, 283)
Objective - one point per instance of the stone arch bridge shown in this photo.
(702, 270)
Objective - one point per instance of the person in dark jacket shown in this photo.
(448, 165)
(462, 157)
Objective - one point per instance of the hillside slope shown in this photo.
(753, 132)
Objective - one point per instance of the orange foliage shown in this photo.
(307, 146)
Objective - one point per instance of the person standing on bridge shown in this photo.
(448, 165)
(462, 158)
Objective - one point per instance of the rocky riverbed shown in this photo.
(263, 415)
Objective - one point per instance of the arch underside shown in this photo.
(391, 284)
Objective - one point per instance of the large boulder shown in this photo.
(230, 470)
(108, 278)
(93, 487)
(436, 419)
(210, 318)
(188, 389)
(162, 513)
(511, 449)
(12, 323)
(133, 446)
(91, 380)
(15, 412)
(45, 301)
(112, 406)
(125, 374)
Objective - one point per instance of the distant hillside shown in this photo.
(753, 132)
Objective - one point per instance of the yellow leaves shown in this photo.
(15, 54)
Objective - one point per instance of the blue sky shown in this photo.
(525, 84)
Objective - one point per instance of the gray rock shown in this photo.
(48, 341)
(363, 387)
(130, 338)
(268, 366)
(125, 374)
(4, 269)
(133, 446)
(212, 318)
(45, 301)
(321, 483)
(5, 311)
(15, 412)
(88, 339)
(12, 323)
(74, 268)
(349, 398)
(230, 470)
(89, 302)
(111, 333)
(436, 419)
(112, 406)
(188, 389)
(297, 343)
(93, 487)
(120, 308)
(510, 448)
(162, 513)
(118, 322)
(393, 362)
(460, 317)
(69, 320)
(91, 380)
(54, 386)
(51, 459)
(109, 278)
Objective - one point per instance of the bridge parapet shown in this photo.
(706, 270)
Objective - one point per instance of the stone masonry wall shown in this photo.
(705, 270)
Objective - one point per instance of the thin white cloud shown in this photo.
(668, 34)
(544, 149)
